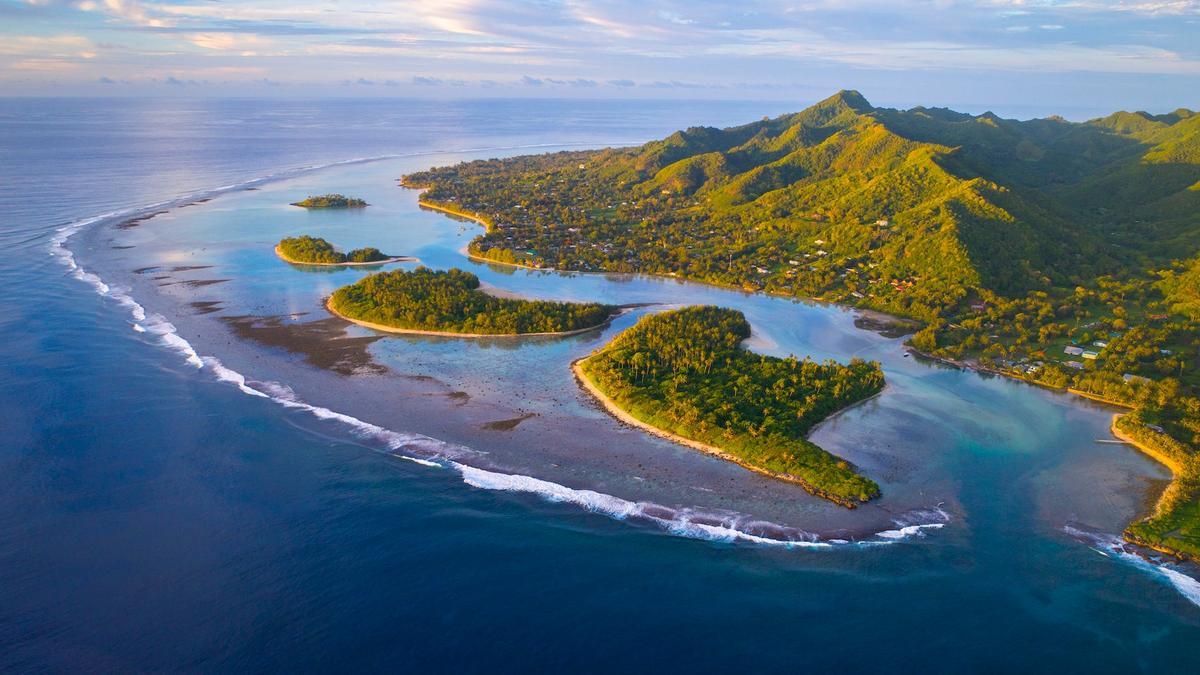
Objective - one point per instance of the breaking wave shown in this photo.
(1114, 547)
(684, 522)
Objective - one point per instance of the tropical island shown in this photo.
(450, 303)
(307, 250)
(681, 374)
(331, 201)
(1063, 253)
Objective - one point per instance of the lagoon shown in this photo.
(170, 473)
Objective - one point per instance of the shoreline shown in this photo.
(479, 220)
(1177, 473)
(1175, 467)
(615, 411)
(870, 314)
(909, 324)
(895, 320)
(393, 259)
(474, 336)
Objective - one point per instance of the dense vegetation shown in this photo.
(1014, 240)
(330, 201)
(1174, 527)
(451, 302)
(306, 249)
(683, 371)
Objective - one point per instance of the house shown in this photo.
(882, 222)
(1073, 350)
(1090, 355)
(1130, 378)
(1077, 365)
(1100, 343)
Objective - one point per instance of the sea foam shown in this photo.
(1112, 546)
(433, 453)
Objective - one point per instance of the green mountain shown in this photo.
(975, 206)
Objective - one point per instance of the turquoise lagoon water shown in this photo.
(180, 493)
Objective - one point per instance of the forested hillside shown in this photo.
(1061, 252)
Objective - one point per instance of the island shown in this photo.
(682, 375)
(450, 303)
(1066, 254)
(307, 250)
(331, 201)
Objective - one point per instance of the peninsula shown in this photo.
(1063, 253)
(450, 303)
(306, 250)
(682, 375)
(331, 201)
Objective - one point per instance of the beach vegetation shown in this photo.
(317, 251)
(330, 201)
(684, 372)
(451, 301)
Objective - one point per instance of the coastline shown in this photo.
(1177, 470)
(1178, 473)
(615, 411)
(870, 315)
(436, 333)
(482, 222)
(896, 321)
(1175, 467)
(393, 259)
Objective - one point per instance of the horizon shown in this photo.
(772, 107)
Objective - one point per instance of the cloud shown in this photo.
(57, 46)
(622, 83)
(531, 81)
(244, 44)
(1150, 8)
(125, 10)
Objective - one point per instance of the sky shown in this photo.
(1025, 57)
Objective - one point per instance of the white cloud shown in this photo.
(125, 10)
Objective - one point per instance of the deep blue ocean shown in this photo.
(154, 517)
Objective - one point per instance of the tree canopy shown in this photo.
(330, 201)
(306, 249)
(683, 371)
(450, 301)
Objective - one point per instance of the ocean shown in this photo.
(186, 489)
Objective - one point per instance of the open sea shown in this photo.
(192, 478)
